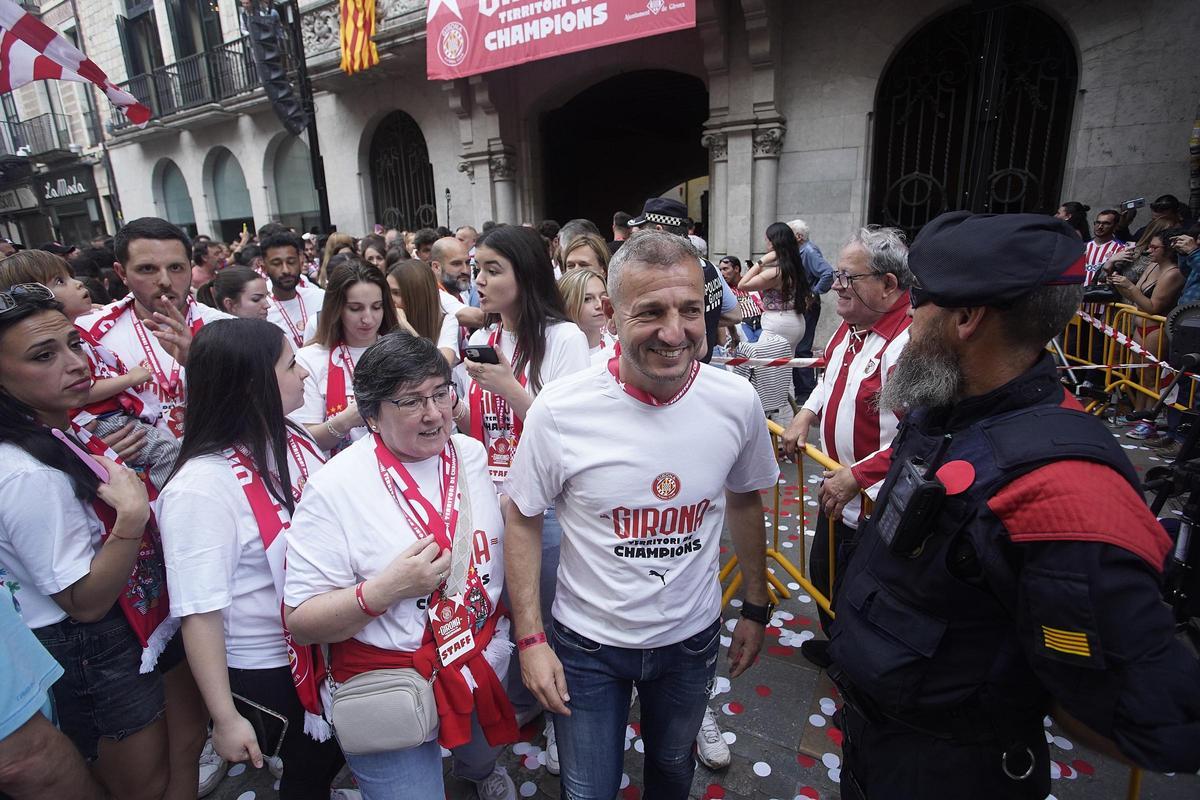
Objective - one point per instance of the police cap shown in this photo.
(963, 260)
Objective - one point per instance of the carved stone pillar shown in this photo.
(768, 145)
(503, 170)
(718, 186)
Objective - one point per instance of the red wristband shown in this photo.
(530, 641)
(362, 602)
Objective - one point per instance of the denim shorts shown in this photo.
(101, 693)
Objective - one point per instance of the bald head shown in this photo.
(449, 260)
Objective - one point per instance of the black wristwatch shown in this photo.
(757, 613)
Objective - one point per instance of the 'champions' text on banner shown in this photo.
(467, 37)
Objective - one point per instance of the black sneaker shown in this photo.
(816, 652)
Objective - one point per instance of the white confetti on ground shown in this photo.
(624, 780)
(817, 721)
(828, 706)
(726, 641)
(726, 710)
(1127, 447)
(528, 789)
(736, 603)
(639, 746)
(730, 624)
(785, 615)
(630, 732)
(831, 760)
(812, 503)
(788, 544)
(628, 743)
(236, 769)
(722, 685)
(520, 748)
(804, 598)
(835, 775)
(1047, 722)
(1055, 771)
(531, 762)
(809, 533)
(1049, 737)
(762, 769)
(246, 795)
(1063, 743)
(783, 527)
(795, 587)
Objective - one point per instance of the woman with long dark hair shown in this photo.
(224, 517)
(535, 342)
(784, 285)
(356, 312)
(1075, 215)
(239, 291)
(419, 309)
(80, 555)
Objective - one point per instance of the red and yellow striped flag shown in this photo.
(357, 28)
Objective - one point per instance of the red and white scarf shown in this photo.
(306, 661)
(508, 425)
(614, 369)
(104, 364)
(144, 601)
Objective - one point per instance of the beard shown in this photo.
(287, 281)
(927, 374)
(460, 284)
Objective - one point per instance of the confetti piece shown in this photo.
(235, 770)
(834, 735)
(778, 650)
(1055, 771)
(763, 691)
(520, 748)
(1083, 767)
(722, 685)
(729, 736)
(835, 775)
(714, 791)
(828, 706)
(817, 721)
(639, 745)
(1063, 744)
(528, 789)
(762, 769)
(531, 763)
(624, 780)
(631, 793)
(809, 792)
(245, 795)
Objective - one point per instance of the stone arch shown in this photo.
(227, 194)
(172, 197)
(398, 185)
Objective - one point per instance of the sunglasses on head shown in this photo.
(23, 294)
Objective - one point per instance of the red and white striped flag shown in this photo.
(31, 51)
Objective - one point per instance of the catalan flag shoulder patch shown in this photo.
(1070, 643)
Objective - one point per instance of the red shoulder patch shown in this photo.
(1081, 501)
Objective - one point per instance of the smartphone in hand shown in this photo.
(482, 353)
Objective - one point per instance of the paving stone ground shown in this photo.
(777, 718)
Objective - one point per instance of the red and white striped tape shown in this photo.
(1127, 342)
(739, 361)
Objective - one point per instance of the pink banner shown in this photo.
(466, 37)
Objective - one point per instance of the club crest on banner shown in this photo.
(452, 44)
(666, 486)
(656, 6)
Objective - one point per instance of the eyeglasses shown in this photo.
(843, 278)
(413, 404)
(23, 294)
(917, 296)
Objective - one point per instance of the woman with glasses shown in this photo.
(79, 555)
(357, 310)
(401, 529)
(783, 285)
(224, 518)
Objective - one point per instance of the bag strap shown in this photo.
(464, 534)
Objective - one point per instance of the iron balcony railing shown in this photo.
(216, 75)
(45, 133)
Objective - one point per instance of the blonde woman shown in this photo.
(582, 290)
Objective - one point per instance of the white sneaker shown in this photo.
(212, 769)
(710, 744)
(345, 794)
(275, 765)
(551, 748)
(497, 786)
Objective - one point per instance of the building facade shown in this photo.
(768, 110)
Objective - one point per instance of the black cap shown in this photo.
(661, 211)
(963, 260)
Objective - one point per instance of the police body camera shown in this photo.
(913, 504)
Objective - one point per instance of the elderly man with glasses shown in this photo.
(871, 282)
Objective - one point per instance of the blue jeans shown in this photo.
(416, 773)
(673, 687)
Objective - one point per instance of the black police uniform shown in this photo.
(712, 304)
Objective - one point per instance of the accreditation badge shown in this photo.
(451, 626)
(500, 452)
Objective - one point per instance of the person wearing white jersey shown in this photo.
(638, 602)
(291, 304)
(152, 327)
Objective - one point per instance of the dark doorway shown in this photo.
(973, 113)
(625, 139)
(401, 175)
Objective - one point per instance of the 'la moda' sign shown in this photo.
(466, 37)
(69, 186)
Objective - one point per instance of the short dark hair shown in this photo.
(1165, 203)
(424, 237)
(621, 220)
(397, 359)
(1108, 212)
(92, 261)
(247, 254)
(200, 251)
(282, 238)
(488, 225)
(734, 261)
(148, 228)
(270, 229)
(548, 228)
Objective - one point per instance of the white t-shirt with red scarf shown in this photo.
(639, 489)
(566, 353)
(117, 327)
(315, 358)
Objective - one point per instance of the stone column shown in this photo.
(718, 185)
(503, 169)
(768, 144)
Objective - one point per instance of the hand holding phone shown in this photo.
(482, 353)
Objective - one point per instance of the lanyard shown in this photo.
(170, 386)
(297, 334)
(294, 443)
(614, 369)
(440, 525)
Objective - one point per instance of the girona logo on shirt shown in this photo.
(643, 523)
(666, 486)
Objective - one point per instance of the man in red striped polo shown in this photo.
(1103, 244)
(871, 282)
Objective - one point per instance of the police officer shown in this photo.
(1011, 568)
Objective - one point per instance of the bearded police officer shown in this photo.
(1011, 568)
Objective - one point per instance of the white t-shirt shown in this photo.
(347, 529)
(120, 335)
(566, 353)
(216, 560)
(315, 360)
(448, 334)
(292, 316)
(601, 353)
(451, 305)
(48, 537)
(640, 494)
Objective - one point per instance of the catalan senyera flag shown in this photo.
(31, 51)
(358, 28)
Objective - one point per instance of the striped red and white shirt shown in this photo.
(853, 431)
(1095, 254)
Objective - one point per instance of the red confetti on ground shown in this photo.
(1067, 772)
(1083, 767)
(637, 728)
(631, 793)
(715, 790)
(767, 509)
(779, 650)
(736, 708)
(793, 537)
(724, 549)
(772, 630)
(808, 791)
(803, 620)
(763, 691)
(808, 762)
(834, 735)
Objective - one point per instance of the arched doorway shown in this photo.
(172, 197)
(401, 175)
(624, 139)
(974, 113)
(230, 195)
(295, 197)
